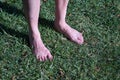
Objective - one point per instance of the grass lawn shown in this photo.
(97, 59)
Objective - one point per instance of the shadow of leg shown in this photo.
(12, 32)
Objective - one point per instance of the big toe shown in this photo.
(50, 57)
(80, 40)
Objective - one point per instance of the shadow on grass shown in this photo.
(10, 9)
(13, 10)
(12, 32)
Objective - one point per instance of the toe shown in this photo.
(40, 58)
(80, 40)
(43, 58)
(37, 57)
(50, 57)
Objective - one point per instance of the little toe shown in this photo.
(40, 58)
(37, 57)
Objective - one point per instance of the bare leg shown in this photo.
(62, 26)
(32, 8)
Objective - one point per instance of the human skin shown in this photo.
(32, 9)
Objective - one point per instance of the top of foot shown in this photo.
(70, 33)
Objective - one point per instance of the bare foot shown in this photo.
(69, 32)
(39, 49)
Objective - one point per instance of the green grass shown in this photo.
(97, 59)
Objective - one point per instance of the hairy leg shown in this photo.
(62, 26)
(31, 9)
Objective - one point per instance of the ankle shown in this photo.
(59, 22)
(34, 33)
(35, 37)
